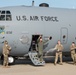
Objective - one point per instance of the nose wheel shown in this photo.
(11, 60)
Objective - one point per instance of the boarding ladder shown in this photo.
(35, 59)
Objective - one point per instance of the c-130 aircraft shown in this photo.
(21, 25)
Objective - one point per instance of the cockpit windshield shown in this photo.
(5, 15)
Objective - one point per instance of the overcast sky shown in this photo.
(52, 3)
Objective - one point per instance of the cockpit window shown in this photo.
(3, 12)
(2, 17)
(8, 12)
(5, 16)
(8, 18)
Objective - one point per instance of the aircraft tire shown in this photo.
(11, 60)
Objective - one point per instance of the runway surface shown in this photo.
(25, 67)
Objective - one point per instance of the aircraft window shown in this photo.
(64, 36)
(8, 17)
(3, 12)
(2, 17)
(8, 12)
(5, 15)
(50, 37)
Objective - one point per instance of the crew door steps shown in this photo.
(35, 59)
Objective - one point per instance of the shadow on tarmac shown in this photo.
(68, 60)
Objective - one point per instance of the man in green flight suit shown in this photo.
(41, 42)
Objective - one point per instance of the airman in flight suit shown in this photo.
(40, 46)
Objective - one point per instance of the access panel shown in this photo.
(64, 35)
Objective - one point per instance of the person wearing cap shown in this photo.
(6, 51)
(58, 48)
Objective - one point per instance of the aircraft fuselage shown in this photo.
(25, 22)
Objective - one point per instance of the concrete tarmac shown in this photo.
(25, 67)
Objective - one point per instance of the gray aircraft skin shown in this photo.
(25, 21)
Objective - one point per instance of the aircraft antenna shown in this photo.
(33, 3)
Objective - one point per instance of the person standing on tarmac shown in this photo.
(41, 42)
(73, 54)
(6, 51)
(58, 48)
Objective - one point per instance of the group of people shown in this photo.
(58, 48)
(58, 51)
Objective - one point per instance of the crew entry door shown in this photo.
(64, 35)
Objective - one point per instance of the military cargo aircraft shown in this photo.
(21, 25)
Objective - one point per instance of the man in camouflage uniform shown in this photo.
(59, 48)
(6, 50)
(41, 42)
(73, 54)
